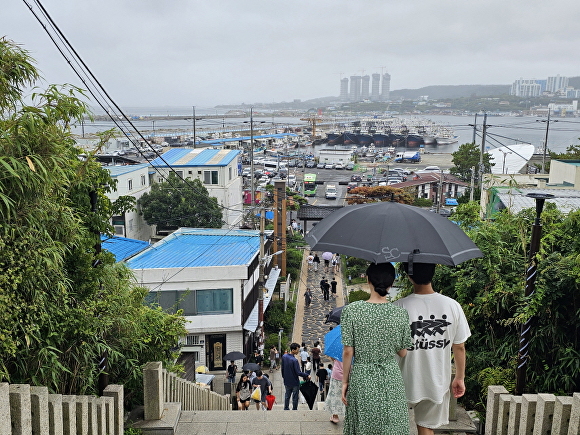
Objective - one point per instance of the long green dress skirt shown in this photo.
(376, 394)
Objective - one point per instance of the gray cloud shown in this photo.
(186, 52)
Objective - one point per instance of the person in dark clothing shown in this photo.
(290, 374)
(316, 262)
(315, 351)
(322, 283)
(264, 383)
(333, 285)
(326, 290)
(322, 376)
(308, 296)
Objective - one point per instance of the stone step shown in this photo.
(276, 421)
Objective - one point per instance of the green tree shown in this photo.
(364, 194)
(467, 157)
(179, 203)
(64, 303)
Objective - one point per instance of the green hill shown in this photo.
(452, 91)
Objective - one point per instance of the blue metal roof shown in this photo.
(177, 157)
(121, 247)
(124, 169)
(199, 247)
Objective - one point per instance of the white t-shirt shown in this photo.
(437, 322)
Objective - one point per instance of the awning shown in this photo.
(252, 322)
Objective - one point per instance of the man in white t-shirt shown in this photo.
(438, 326)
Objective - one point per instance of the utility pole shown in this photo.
(280, 224)
(262, 289)
(471, 190)
(546, 144)
(252, 175)
(474, 128)
(482, 150)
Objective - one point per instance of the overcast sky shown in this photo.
(209, 52)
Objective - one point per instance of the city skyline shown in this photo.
(230, 52)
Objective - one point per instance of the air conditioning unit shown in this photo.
(120, 230)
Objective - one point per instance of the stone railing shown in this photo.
(26, 409)
(161, 387)
(532, 414)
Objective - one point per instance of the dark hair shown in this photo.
(259, 373)
(294, 346)
(381, 276)
(422, 272)
(241, 382)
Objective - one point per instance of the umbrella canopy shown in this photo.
(309, 390)
(388, 231)
(201, 369)
(327, 255)
(250, 366)
(333, 343)
(334, 315)
(232, 356)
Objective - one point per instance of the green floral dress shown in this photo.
(376, 394)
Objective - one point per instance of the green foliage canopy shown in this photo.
(466, 157)
(64, 303)
(179, 203)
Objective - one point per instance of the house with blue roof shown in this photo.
(122, 247)
(217, 169)
(132, 180)
(212, 275)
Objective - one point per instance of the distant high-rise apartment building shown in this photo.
(344, 89)
(355, 88)
(526, 88)
(376, 87)
(366, 80)
(554, 84)
(386, 90)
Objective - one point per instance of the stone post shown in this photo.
(529, 402)
(503, 414)
(544, 414)
(55, 414)
(39, 410)
(20, 409)
(69, 416)
(515, 414)
(82, 410)
(153, 390)
(5, 428)
(562, 409)
(574, 427)
(493, 392)
(116, 392)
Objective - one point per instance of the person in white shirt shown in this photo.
(438, 327)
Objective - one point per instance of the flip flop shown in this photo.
(334, 419)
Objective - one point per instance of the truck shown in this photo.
(408, 156)
(330, 191)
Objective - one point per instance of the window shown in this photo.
(230, 172)
(191, 340)
(130, 184)
(143, 180)
(194, 302)
(178, 173)
(210, 177)
(218, 301)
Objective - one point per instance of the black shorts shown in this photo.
(326, 262)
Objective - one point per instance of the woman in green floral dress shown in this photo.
(373, 332)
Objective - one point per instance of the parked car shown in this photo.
(329, 166)
(292, 163)
(355, 177)
(349, 166)
(338, 166)
(310, 164)
(246, 172)
(320, 166)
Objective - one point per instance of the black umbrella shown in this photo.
(309, 391)
(250, 366)
(232, 356)
(391, 232)
(334, 315)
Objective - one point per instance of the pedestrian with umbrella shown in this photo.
(377, 331)
(438, 328)
(333, 348)
(326, 256)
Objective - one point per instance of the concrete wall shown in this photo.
(26, 409)
(535, 414)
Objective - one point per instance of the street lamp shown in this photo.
(525, 332)
(505, 153)
(193, 121)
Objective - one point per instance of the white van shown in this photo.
(273, 165)
(330, 192)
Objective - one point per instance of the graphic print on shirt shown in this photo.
(422, 330)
